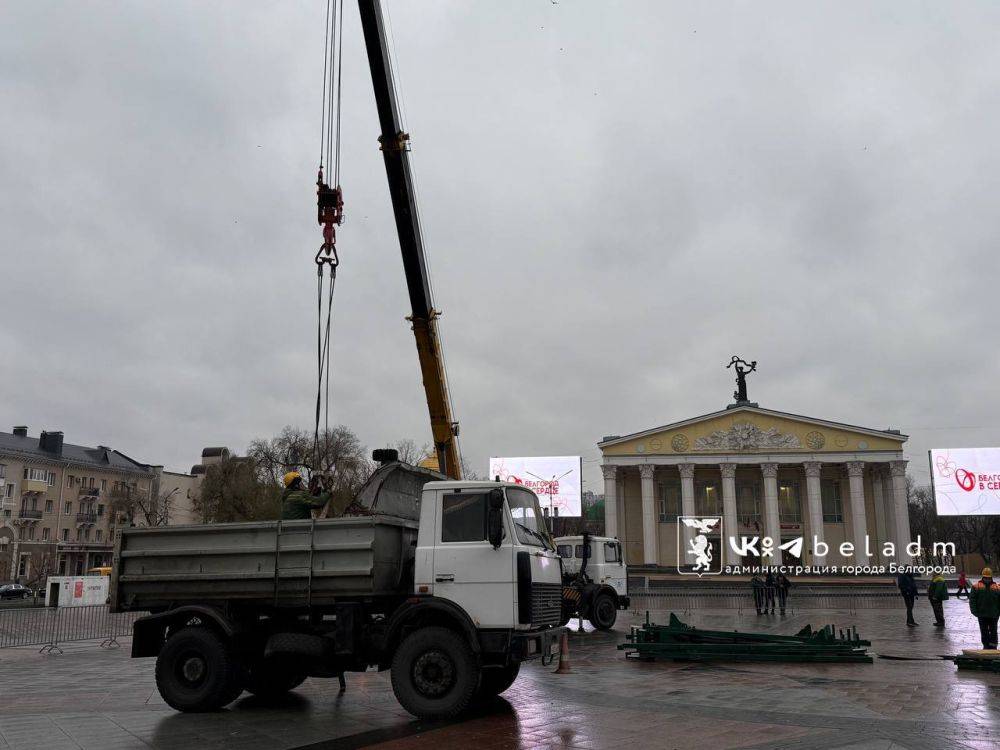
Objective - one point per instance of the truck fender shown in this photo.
(150, 633)
(423, 612)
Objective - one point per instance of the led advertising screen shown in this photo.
(555, 479)
(966, 481)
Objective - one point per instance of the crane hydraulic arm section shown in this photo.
(404, 206)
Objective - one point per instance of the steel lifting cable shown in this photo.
(330, 210)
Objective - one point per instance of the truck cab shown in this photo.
(449, 585)
(595, 578)
(498, 562)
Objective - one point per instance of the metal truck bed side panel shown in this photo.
(316, 561)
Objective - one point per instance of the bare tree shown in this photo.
(411, 453)
(237, 489)
(41, 564)
(141, 508)
(338, 454)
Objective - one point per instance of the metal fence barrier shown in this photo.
(50, 626)
(690, 598)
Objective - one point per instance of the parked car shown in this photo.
(14, 591)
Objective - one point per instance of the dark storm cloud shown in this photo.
(616, 198)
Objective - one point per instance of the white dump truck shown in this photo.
(595, 580)
(448, 584)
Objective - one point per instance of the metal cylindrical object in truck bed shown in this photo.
(289, 563)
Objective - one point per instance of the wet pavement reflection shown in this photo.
(92, 698)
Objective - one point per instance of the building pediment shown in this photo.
(750, 429)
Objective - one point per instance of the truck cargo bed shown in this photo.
(288, 563)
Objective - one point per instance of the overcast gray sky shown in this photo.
(616, 198)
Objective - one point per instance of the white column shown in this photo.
(610, 499)
(730, 524)
(890, 506)
(687, 508)
(649, 541)
(902, 513)
(772, 522)
(814, 504)
(859, 521)
(881, 530)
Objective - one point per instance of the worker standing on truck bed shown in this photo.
(296, 502)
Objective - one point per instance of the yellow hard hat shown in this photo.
(987, 573)
(291, 477)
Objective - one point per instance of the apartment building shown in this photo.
(56, 513)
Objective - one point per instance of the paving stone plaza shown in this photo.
(94, 698)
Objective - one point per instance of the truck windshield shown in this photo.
(527, 516)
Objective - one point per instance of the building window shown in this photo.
(69, 508)
(69, 480)
(45, 534)
(3, 471)
(22, 566)
(52, 479)
(98, 534)
(832, 509)
(707, 499)
(48, 506)
(748, 505)
(104, 485)
(670, 501)
(10, 490)
(37, 475)
(100, 510)
(65, 535)
(789, 506)
(79, 534)
(31, 533)
(92, 480)
(86, 534)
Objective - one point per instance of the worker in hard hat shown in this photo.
(984, 601)
(297, 502)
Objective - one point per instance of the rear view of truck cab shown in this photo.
(595, 578)
(450, 587)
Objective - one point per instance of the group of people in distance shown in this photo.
(769, 588)
(983, 596)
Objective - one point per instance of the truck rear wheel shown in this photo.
(603, 612)
(196, 671)
(268, 678)
(494, 680)
(434, 673)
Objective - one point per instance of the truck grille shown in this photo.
(546, 603)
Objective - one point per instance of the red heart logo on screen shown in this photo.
(966, 480)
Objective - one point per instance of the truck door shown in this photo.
(467, 570)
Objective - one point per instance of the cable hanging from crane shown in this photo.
(329, 211)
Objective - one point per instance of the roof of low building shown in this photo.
(101, 457)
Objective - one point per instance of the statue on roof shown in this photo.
(743, 368)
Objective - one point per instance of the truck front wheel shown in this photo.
(434, 673)
(494, 680)
(196, 671)
(603, 612)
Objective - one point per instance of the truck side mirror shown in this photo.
(494, 519)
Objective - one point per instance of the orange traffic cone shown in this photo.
(563, 655)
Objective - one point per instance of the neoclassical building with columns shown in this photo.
(766, 473)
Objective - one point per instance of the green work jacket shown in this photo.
(984, 601)
(937, 591)
(297, 504)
